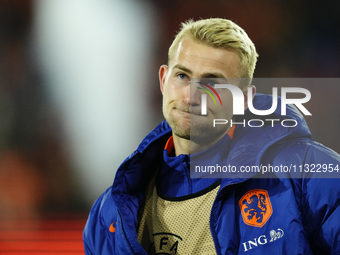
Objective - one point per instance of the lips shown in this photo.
(195, 110)
(184, 110)
(198, 113)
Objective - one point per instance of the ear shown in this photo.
(163, 71)
(245, 90)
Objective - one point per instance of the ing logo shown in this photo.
(256, 207)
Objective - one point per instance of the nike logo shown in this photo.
(112, 229)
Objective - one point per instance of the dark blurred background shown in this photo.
(79, 86)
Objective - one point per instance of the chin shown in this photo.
(181, 132)
(206, 136)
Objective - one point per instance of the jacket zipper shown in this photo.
(187, 171)
(212, 230)
(121, 220)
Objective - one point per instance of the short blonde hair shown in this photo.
(220, 33)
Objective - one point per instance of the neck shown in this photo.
(185, 146)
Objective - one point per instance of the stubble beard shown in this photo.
(179, 129)
(196, 130)
(201, 133)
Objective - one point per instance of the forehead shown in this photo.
(201, 58)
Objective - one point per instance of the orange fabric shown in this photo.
(170, 143)
(112, 227)
(231, 132)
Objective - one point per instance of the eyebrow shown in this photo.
(183, 68)
(204, 75)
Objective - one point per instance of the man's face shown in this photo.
(181, 102)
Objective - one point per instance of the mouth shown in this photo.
(196, 114)
(196, 111)
(189, 111)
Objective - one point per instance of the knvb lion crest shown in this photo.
(256, 208)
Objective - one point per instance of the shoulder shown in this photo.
(313, 168)
(304, 151)
(316, 187)
(320, 192)
(317, 151)
(98, 226)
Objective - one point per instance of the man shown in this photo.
(155, 207)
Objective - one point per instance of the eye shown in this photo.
(212, 83)
(182, 76)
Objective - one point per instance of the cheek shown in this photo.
(166, 97)
(169, 98)
(226, 98)
(225, 111)
(171, 92)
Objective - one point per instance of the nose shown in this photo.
(195, 95)
(186, 92)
